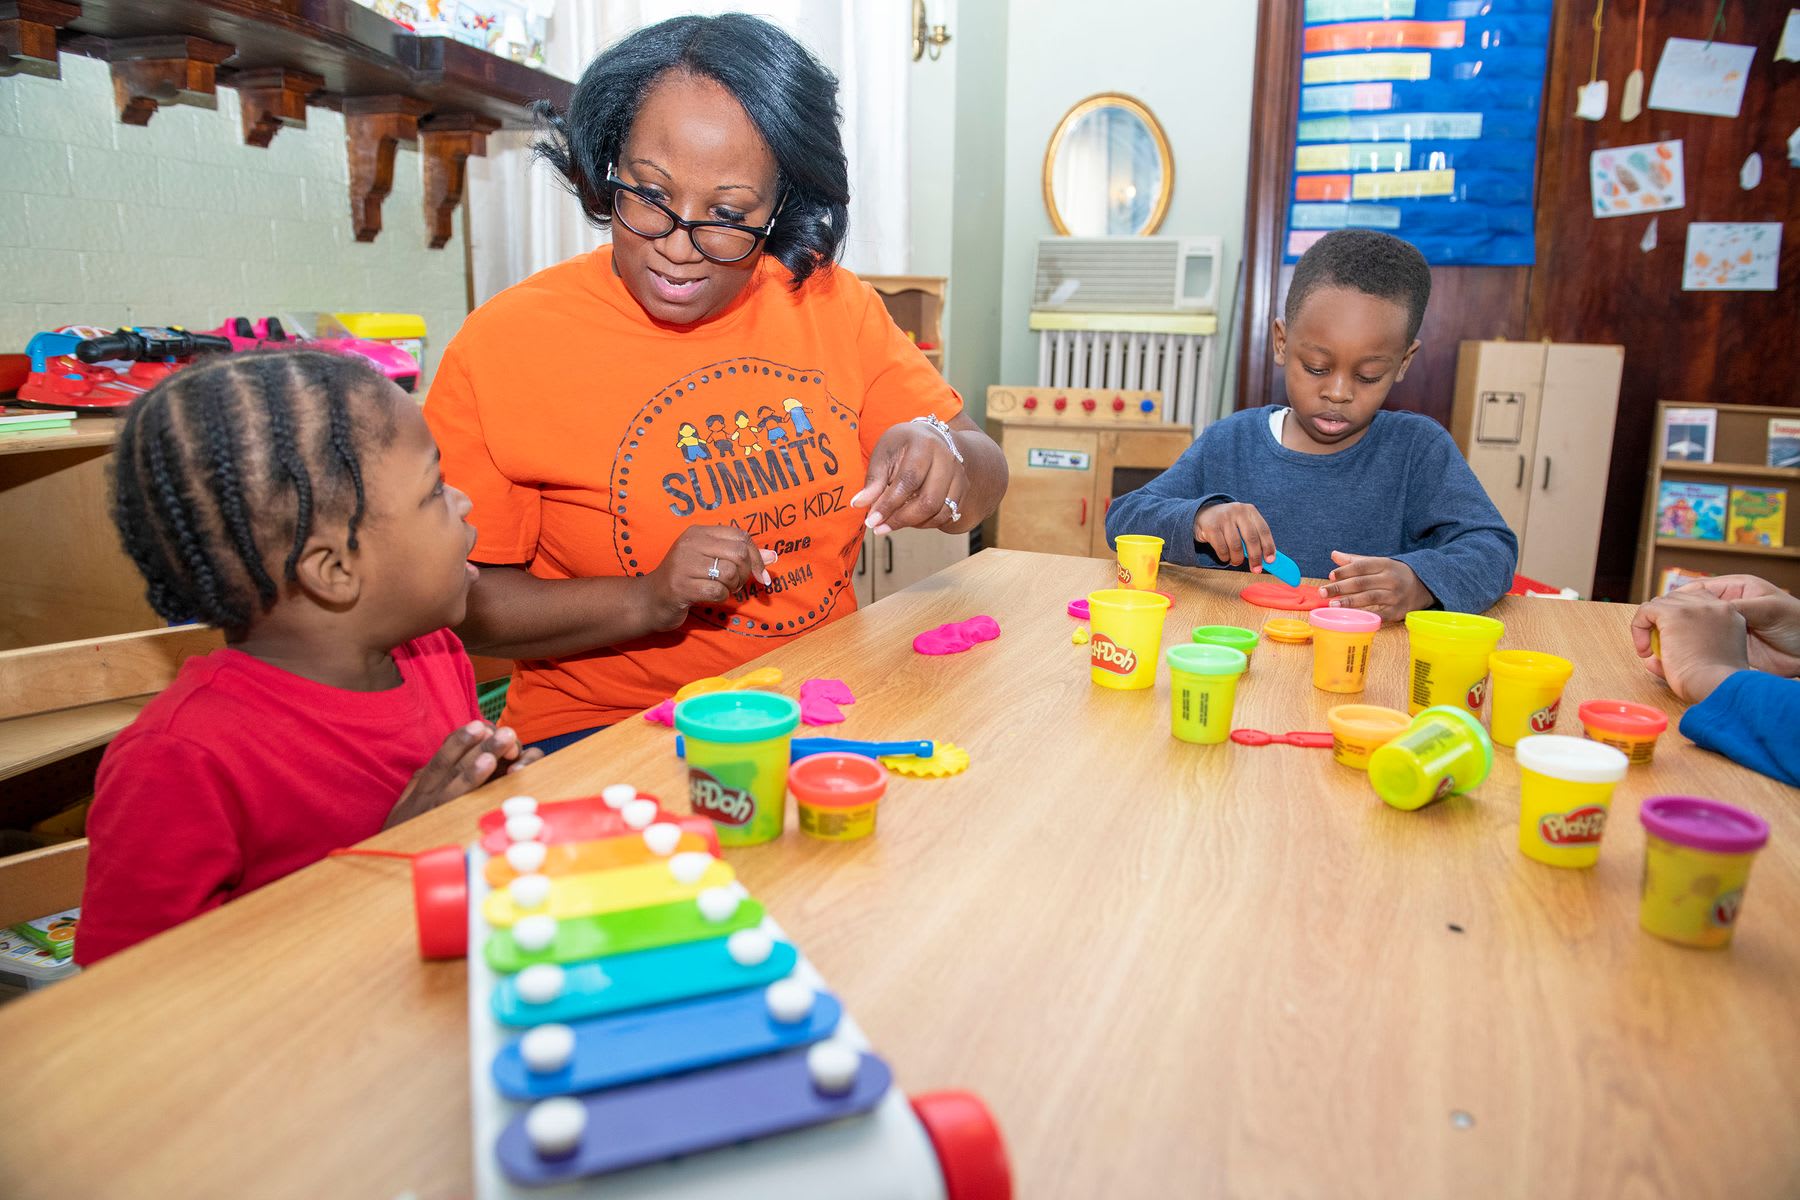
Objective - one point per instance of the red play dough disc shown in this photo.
(1272, 593)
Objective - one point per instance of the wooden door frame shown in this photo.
(1275, 107)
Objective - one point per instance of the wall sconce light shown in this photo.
(927, 38)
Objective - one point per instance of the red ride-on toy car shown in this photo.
(87, 369)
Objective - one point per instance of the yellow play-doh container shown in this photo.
(1444, 752)
(1449, 659)
(1565, 793)
(1528, 688)
(1202, 691)
(737, 760)
(1697, 858)
(1139, 557)
(1341, 641)
(1631, 728)
(1126, 634)
(1358, 730)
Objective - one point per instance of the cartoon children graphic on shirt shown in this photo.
(745, 434)
(770, 424)
(796, 412)
(691, 447)
(715, 433)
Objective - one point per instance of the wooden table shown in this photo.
(1172, 970)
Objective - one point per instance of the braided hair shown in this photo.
(223, 470)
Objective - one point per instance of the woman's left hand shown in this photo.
(912, 474)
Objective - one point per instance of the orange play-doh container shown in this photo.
(1358, 730)
(1632, 728)
(837, 795)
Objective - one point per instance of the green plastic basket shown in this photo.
(491, 699)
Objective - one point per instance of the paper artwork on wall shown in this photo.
(1637, 179)
(1697, 77)
(1789, 49)
(1731, 256)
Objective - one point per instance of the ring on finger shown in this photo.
(712, 572)
(955, 509)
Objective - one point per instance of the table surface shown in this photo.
(1227, 966)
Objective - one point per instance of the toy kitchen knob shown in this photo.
(1088, 405)
(1147, 406)
(1118, 404)
(1062, 402)
(1030, 403)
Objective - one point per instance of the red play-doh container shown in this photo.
(837, 795)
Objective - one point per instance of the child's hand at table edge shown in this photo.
(1771, 615)
(1231, 528)
(468, 758)
(1386, 587)
(1701, 639)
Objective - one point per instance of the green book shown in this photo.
(55, 934)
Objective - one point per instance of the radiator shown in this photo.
(1179, 365)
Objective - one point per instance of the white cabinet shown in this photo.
(1535, 420)
(892, 561)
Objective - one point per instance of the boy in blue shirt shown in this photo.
(1380, 504)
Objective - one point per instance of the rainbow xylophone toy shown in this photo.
(639, 1028)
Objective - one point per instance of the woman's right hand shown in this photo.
(682, 579)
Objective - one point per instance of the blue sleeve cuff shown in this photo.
(1751, 719)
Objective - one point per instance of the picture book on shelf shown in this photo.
(1758, 516)
(1784, 442)
(1688, 434)
(1695, 511)
(1677, 577)
(55, 934)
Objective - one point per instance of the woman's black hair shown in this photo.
(223, 469)
(789, 95)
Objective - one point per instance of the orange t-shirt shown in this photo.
(589, 436)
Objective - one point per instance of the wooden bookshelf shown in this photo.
(1740, 456)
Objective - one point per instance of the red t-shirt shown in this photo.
(589, 436)
(240, 773)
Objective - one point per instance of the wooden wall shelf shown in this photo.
(283, 55)
(1740, 455)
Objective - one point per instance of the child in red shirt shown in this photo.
(294, 501)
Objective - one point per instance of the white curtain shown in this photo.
(521, 220)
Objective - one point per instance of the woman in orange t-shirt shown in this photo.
(675, 444)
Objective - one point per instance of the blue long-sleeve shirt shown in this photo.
(1753, 719)
(1403, 491)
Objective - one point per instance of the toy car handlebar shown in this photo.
(147, 344)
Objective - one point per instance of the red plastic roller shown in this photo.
(441, 902)
(970, 1151)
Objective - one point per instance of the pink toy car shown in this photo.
(391, 361)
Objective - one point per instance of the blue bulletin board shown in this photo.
(1420, 117)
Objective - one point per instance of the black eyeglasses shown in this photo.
(723, 242)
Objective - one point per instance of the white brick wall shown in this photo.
(181, 223)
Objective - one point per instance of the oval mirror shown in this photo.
(1108, 171)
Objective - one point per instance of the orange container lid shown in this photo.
(1623, 718)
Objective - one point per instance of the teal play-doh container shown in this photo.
(737, 757)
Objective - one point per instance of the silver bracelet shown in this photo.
(943, 431)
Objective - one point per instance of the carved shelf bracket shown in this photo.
(376, 126)
(150, 72)
(28, 36)
(272, 99)
(445, 143)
